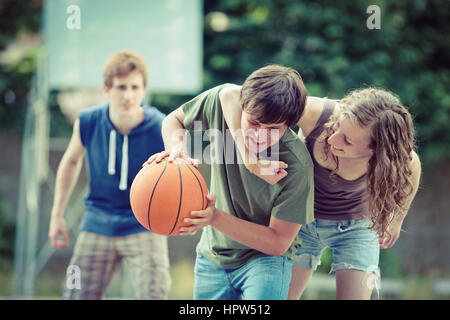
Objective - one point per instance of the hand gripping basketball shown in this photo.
(163, 194)
(203, 217)
(171, 156)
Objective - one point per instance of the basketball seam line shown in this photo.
(151, 197)
(199, 183)
(181, 197)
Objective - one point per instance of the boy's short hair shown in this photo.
(122, 64)
(275, 94)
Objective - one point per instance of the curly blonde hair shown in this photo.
(389, 180)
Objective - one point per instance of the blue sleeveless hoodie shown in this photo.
(113, 160)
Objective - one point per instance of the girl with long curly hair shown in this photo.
(366, 174)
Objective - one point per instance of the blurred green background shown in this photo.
(330, 45)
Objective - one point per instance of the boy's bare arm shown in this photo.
(66, 178)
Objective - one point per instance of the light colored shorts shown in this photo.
(354, 246)
(98, 257)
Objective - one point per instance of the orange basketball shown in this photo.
(163, 194)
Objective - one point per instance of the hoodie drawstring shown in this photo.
(112, 153)
(124, 169)
(112, 159)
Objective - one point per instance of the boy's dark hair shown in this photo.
(275, 94)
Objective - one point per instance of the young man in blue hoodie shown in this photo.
(116, 139)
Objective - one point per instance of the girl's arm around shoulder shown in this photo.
(311, 114)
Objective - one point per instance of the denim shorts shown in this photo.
(262, 278)
(354, 246)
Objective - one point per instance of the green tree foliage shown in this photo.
(15, 83)
(327, 42)
(17, 18)
(331, 46)
(7, 231)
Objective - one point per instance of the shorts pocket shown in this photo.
(354, 225)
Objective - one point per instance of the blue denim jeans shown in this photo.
(263, 278)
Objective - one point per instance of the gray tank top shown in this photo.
(335, 198)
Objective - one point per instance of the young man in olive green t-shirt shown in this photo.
(250, 226)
